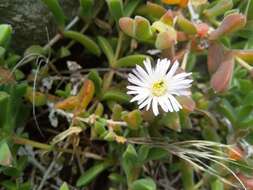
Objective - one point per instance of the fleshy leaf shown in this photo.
(166, 39)
(5, 154)
(5, 34)
(131, 60)
(86, 7)
(152, 10)
(219, 8)
(133, 119)
(92, 173)
(185, 25)
(142, 29)
(127, 26)
(220, 80)
(144, 184)
(215, 56)
(86, 41)
(230, 23)
(57, 11)
(115, 8)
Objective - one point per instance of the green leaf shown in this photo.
(143, 153)
(142, 29)
(15, 111)
(57, 11)
(133, 119)
(115, 8)
(94, 76)
(130, 165)
(12, 60)
(92, 173)
(132, 60)
(36, 98)
(243, 112)
(156, 154)
(219, 8)
(144, 184)
(5, 34)
(2, 53)
(131, 6)
(86, 7)
(4, 98)
(248, 100)
(106, 48)
(5, 154)
(117, 96)
(130, 154)
(35, 50)
(151, 10)
(217, 185)
(227, 110)
(64, 52)
(187, 175)
(86, 41)
(245, 85)
(186, 26)
(64, 186)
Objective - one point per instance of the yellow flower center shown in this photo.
(159, 88)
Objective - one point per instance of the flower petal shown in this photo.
(172, 70)
(155, 106)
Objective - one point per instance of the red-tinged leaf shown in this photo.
(247, 181)
(236, 153)
(133, 119)
(202, 29)
(126, 24)
(85, 95)
(167, 18)
(187, 103)
(219, 8)
(221, 78)
(68, 104)
(152, 10)
(166, 39)
(215, 56)
(230, 23)
(181, 36)
(6, 76)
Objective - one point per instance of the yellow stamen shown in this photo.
(159, 88)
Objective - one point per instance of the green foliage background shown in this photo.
(102, 141)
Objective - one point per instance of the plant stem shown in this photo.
(247, 8)
(244, 64)
(119, 45)
(57, 37)
(47, 147)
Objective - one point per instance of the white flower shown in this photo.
(158, 86)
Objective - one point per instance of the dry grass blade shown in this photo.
(199, 153)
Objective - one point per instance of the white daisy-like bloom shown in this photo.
(158, 86)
